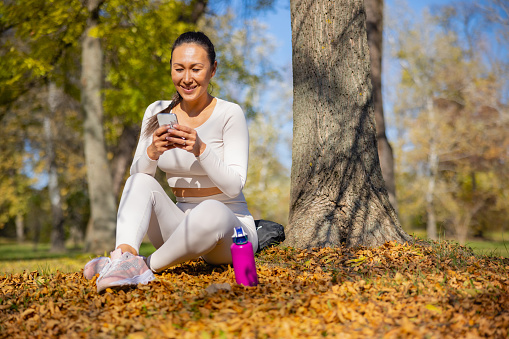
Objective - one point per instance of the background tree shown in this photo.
(102, 202)
(451, 105)
(268, 179)
(33, 44)
(374, 27)
(337, 190)
(57, 234)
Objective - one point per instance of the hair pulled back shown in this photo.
(198, 38)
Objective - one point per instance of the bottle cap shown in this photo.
(239, 236)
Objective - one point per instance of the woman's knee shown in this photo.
(214, 216)
(136, 190)
(213, 209)
(140, 179)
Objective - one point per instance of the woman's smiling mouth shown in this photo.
(188, 89)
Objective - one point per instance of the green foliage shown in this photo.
(35, 42)
(137, 40)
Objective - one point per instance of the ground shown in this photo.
(431, 290)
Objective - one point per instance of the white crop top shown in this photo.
(223, 164)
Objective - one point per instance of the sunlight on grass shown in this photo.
(497, 244)
(17, 258)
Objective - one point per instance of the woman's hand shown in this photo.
(186, 138)
(160, 142)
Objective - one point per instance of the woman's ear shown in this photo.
(214, 68)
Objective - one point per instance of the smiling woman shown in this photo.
(204, 156)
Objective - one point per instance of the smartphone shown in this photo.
(167, 119)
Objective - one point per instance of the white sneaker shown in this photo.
(124, 269)
(95, 266)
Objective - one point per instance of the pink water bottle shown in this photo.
(243, 259)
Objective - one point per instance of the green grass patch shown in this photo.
(490, 248)
(496, 244)
(17, 258)
(10, 250)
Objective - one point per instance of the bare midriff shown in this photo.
(195, 192)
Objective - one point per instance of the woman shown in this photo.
(205, 159)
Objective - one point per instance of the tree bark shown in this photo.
(337, 190)
(123, 156)
(374, 26)
(57, 230)
(20, 228)
(433, 162)
(101, 234)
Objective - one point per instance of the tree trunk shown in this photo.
(374, 25)
(57, 231)
(101, 236)
(20, 228)
(37, 233)
(123, 156)
(431, 224)
(338, 193)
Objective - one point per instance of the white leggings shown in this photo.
(180, 232)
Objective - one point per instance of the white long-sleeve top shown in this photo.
(223, 164)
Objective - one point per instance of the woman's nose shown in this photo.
(187, 76)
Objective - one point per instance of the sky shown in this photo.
(279, 25)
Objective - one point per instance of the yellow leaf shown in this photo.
(93, 32)
(356, 262)
(433, 308)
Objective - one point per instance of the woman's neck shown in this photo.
(193, 109)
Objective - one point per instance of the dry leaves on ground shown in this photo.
(391, 292)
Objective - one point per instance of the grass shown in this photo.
(16, 258)
(495, 245)
(490, 248)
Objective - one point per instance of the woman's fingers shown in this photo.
(178, 136)
(161, 131)
(184, 137)
(161, 140)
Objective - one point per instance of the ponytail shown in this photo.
(152, 123)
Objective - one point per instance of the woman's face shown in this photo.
(191, 72)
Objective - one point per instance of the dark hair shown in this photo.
(198, 38)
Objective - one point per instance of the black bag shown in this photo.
(270, 233)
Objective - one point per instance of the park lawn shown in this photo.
(496, 244)
(428, 290)
(490, 248)
(17, 258)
